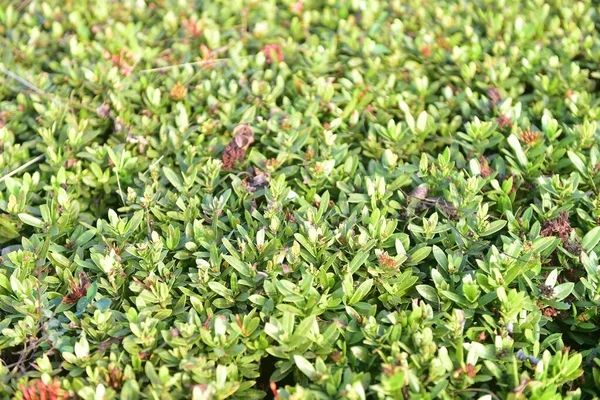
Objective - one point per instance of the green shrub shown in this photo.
(299, 199)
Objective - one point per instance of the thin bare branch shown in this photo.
(30, 86)
(22, 167)
(439, 204)
(201, 63)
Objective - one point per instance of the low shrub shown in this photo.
(302, 199)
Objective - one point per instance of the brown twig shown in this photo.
(23, 4)
(440, 202)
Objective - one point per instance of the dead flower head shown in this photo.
(503, 122)
(77, 289)
(270, 50)
(38, 390)
(493, 93)
(235, 152)
(560, 227)
(178, 92)
(529, 137)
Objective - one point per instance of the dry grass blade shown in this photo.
(22, 167)
(203, 63)
(30, 85)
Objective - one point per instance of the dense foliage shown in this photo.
(299, 199)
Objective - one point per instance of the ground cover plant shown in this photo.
(299, 199)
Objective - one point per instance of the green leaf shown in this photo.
(551, 278)
(591, 239)
(361, 291)
(305, 366)
(440, 257)
(174, 178)
(134, 223)
(513, 141)
(420, 254)
(82, 348)
(92, 291)
(428, 293)
(545, 245)
(31, 220)
(151, 374)
(493, 227)
(454, 297)
(302, 330)
(220, 290)
(563, 290)
(380, 49)
(358, 260)
(577, 162)
(103, 304)
(238, 265)
(422, 121)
